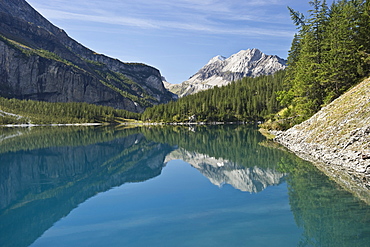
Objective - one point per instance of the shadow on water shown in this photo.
(47, 172)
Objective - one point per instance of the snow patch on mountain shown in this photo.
(216, 59)
(220, 71)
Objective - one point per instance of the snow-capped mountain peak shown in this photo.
(216, 59)
(221, 71)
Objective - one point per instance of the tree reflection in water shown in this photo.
(47, 172)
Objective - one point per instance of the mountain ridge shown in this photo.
(220, 71)
(70, 72)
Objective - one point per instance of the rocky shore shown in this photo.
(337, 140)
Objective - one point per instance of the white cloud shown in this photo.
(264, 2)
(113, 20)
(210, 16)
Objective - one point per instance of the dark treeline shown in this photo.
(39, 112)
(250, 99)
(329, 54)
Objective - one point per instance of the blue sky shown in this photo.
(176, 36)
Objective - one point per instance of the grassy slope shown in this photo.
(336, 124)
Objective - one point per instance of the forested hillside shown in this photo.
(14, 111)
(250, 99)
(329, 54)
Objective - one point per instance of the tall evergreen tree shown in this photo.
(329, 54)
(341, 48)
(286, 96)
(306, 92)
(364, 39)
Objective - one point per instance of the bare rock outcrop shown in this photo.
(337, 138)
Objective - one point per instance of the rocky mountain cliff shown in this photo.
(220, 171)
(221, 71)
(39, 61)
(337, 138)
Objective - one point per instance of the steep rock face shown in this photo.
(39, 61)
(337, 138)
(220, 171)
(221, 71)
(42, 79)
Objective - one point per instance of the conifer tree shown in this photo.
(286, 96)
(306, 93)
(328, 55)
(364, 39)
(342, 58)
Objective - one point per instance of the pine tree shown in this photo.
(286, 96)
(305, 73)
(342, 58)
(364, 39)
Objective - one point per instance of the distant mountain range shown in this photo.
(39, 61)
(221, 71)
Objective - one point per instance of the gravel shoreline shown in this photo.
(349, 168)
(337, 140)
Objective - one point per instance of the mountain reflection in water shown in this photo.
(220, 171)
(38, 186)
(45, 173)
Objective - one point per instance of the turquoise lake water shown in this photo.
(167, 186)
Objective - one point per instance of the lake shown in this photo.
(167, 186)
